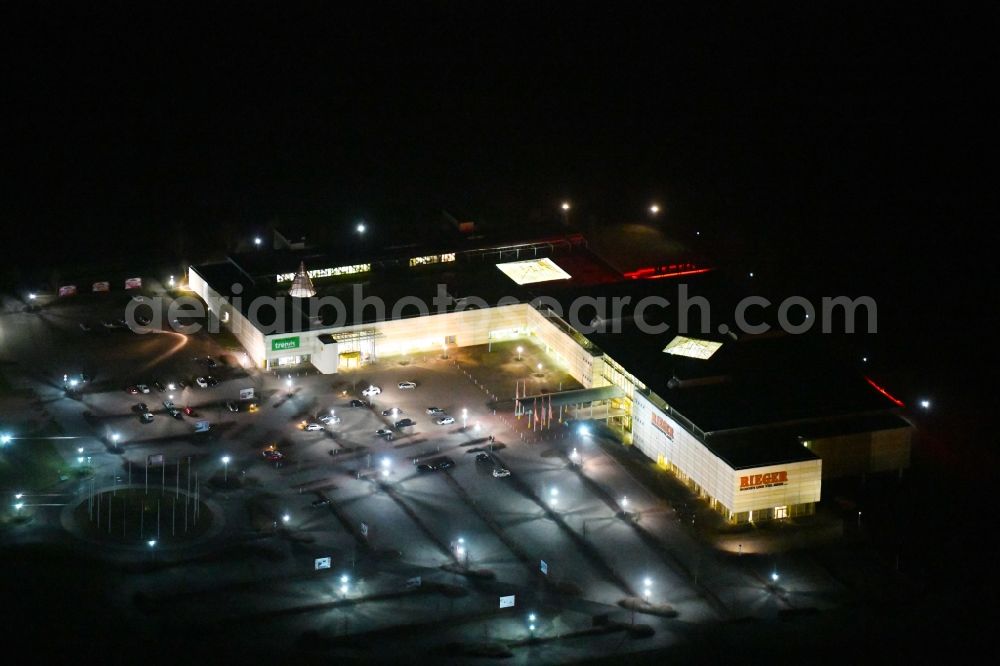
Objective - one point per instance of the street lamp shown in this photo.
(225, 464)
(257, 241)
(114, 438)
(344, 580)
(519, 351)
(285, 518)
(151, 543)
(575, 456)
(360, 228)
(5, 439)
(565, 205)
(774, 576)
(32, 297)
(385, 466)
(926, 404)
(553, 496)
(646, 585)
(531, 623)
(465, 417)
(654, 209)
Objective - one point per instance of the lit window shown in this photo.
(692, 348)
(533, 270)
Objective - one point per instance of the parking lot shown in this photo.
(573, 537)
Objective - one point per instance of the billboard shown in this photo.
(133, 283)
(67, 290)
(282, 344)
(157, 459)
(246, 394)
(321, 563)
(507, 602)
(102, 286)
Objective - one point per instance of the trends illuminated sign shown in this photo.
(769, 480)
(282, 344)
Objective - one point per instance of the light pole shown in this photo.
(574, 457)
(519, 351)
(288, 384)
(5, 439)
(654, 209)
(553, 496)
(465, 417)
(114, 439)
(360, 228)
(257, 241)
(565, 211)
(344, 580)
(225, 467)
(460, 552)
(170, 282)
(531, 623)
(646, 591)
(385, 467)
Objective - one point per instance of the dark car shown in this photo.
(146, 417)
(322, 501)
(158, 386)
(405, 423)
(183, 383)
(392, 411)
(212, 381)
(435, 464)
(141, 407)
(210, 362)
(233, 406)
(484, 459)
(358, 403)
(174, 412)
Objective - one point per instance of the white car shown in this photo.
(200, 381)
(500, 472)
(407, 385)
(328, 419)
(435, 410)
(142, 388)
(370, 391)
(314, 427)
(445, 420)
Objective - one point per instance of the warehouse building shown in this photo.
(751, 423)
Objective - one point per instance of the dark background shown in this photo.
(834, 148)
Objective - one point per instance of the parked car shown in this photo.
(210, 362)
(169, 404)
(384, 432)
(329, 418)
(174, 412)
(392, 411)
(407, 385)
(146, 417)
(358, 403)
(434, 464)
(314, 427)
(233, 406)
(142, 388)
(445, 420)
(159, 387)
(322, 501)
(371, 390)
(435, 410)
(404, 423)
(85, 327)
(212, 381)
(188, 411)
(183, 383)
(141, 407)
(500, 472)
(484, 458)
(133, 390)
(272, 454)
(107, 323)
(202, 382)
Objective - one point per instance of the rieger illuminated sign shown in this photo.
(769, 480)
(663, 426)
(283, 344)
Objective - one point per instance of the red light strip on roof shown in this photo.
(673, 270)
(881, 390)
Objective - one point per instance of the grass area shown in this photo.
(134, 515)
(30, 464)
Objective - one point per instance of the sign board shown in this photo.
(769, 480)
(246, 394)
(102, 286)
(67, 290)
(133, 283)
(544, 567)
(413, 582)
(157, 459)
(282, 344)
(661, 424)
(322, 563)
(202, 426)
(507, 602)
(364, 530)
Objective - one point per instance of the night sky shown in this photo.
(834, 145)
